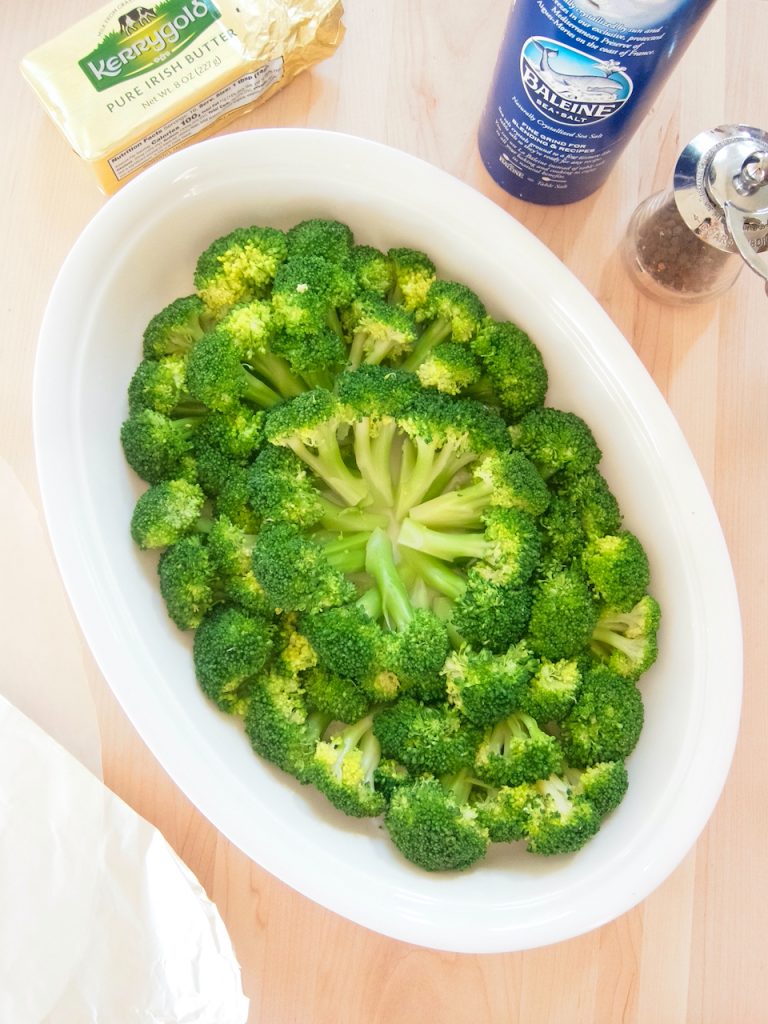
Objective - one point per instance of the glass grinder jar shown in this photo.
(689, 243)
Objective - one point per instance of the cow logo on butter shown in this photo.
(145, 37)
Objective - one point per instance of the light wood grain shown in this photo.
(414, 74)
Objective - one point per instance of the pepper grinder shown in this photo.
(689, 243)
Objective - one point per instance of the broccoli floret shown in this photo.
(553, 690)
(452, 312)
(593, 501)
(187, 581)
(295, 571)
(236, 434)
(280, 725)
(509, 547)
(617, 567)
(414, 274)
(238, 267)
(374, 397)
(229, 547)
(505, 812)
(514, 366)
(486, 687)
(308, 425)
(445, 435)
(166, 512)
(379, 331)
(490, 614)
(450, 367)
(160, 384)
(175, 328)
(389, 776)
(335, 695)
(157, 447)
(279, 488)
(345, 639)
(373, 270)
(563, 615)
(251, 329)
(626, 640)
(506, 479)
(434, 826)
(433, 738)
(606, 720)
(421, 642)
(218, 379)
(230, 649)
(555, 440)
(316, 236)
(307, 295)
(343, 768)
(604, 784)
(559, 820)
(516, 750)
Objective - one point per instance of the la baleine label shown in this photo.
(144, 37)
(569, 86)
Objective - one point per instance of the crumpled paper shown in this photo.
(101, 922)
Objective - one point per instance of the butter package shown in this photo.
(130, 84)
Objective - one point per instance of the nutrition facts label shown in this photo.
(237, 94)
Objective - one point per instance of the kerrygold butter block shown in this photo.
(131, 83)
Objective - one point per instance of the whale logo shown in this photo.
(569, 86)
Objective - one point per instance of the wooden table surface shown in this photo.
(414, 74)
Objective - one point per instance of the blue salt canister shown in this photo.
(572, 83)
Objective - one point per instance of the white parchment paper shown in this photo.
(101, 922)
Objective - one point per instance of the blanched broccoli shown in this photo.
(230, 649)
(343, 768)
(486, 687)
(434, 826)
(238, 267)
(516, 750)
(606, 720)
(402, 568)
(627, 640)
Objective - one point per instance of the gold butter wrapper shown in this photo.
(131, 83)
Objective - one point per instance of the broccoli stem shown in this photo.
(446, 546)
(329, 465)
(347, 554)
(370, 602)
(439, 330)
(435, 574)
(349, 520)
(463, 507)
(256, 391)
(380, 563)
(430, 471)
(374, 471)
(277, 373)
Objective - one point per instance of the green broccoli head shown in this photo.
(604, 784)
(553, 690)
(432, 738)
(230, 649)
(616, 565)
(175, 328)
(414, 274)
(490, 614)
(159, 384)
(486, 687)
(166, 512)
(450, 367)
(238, 267)
(325, 237)
(295, 572)
(556, 441)
(606, 720)
(280, 490)
(434, 828)
(335, 695)
(343, 768)
(563, 615)
(157, 447)
(373, 270)
(514, 366)
(517, 750)
(626, 641)
(559, 821)
(187, 581)
(346, 640)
